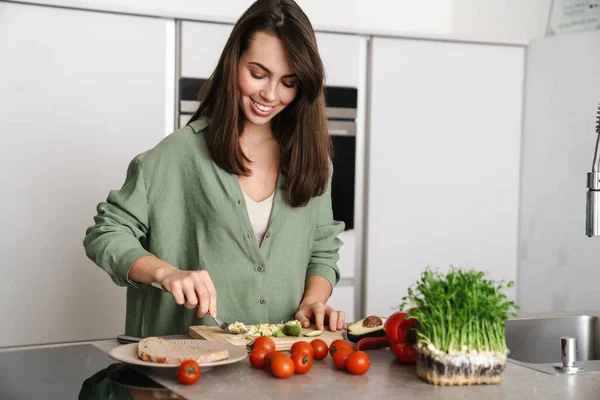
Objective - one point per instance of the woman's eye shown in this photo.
(289, 85)
(255, 76)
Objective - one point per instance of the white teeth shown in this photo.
(261, 107)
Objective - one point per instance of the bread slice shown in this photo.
(159, 350)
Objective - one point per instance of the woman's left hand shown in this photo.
(321, 314)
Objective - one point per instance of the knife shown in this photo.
(125, 339)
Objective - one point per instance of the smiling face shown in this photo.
(266, 79)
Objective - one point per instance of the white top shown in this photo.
(259, 213)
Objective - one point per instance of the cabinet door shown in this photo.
(82, 94)
(444, 156)
(201, 47)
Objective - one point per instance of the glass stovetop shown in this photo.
(71, 372)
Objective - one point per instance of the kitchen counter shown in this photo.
(386, 379)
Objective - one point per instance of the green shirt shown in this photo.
(179, 206)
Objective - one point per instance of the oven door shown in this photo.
(341, 119)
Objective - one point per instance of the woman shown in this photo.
(232, 213)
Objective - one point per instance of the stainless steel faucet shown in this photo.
(592, 221)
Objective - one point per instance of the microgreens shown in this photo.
(460, 311)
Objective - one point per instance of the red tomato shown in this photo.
(340, 356)
(358, 363)
(257, 357)
(264, 341)
(320, 349)
(282, 366)
(271, 356)
(302, 362)
(188, 372)
(302, 347)
(405, 352)
(337, 344)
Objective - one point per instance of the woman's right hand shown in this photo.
(192, 289)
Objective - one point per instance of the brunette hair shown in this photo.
(300, 128)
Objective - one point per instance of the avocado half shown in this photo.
(371, 326)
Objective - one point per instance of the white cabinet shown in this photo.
(82, 94)
(444, 155)
(201, 47)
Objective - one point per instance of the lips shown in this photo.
(261, 109)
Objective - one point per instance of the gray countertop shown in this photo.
(386, 379)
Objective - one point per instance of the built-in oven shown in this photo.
(341, 116)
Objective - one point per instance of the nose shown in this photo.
(268, 92)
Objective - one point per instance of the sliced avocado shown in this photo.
(292, 328)
(314, 333)
(278, 333)
(372, 326)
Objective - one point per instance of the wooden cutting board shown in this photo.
(284, 343)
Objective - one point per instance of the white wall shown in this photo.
(559, 266)
(487, 20)
(492, 20)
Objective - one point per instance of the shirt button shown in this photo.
(239, 201)
(268, 234)
(263, 300)
(261, 268)
(248, 235)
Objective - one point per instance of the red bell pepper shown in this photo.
(401, 340)
(404, 352)
(370, 343)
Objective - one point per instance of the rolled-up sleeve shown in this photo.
(326, 246)
(119, 235)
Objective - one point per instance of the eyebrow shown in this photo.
(269, 72)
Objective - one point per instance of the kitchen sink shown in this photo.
(535, 342)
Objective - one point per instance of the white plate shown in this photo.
(128, 353)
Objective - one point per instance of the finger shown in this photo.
(191, 300)
(177, 293)
(319, 317)
(204, 299)
(341, 325)
(304, 318)
(333, 319)
(212, 293)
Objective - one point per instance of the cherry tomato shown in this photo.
(264, 341)
(302, 347)
(320, 349)
(339, 343)
(358, 363)
(282, 366)
(340, 357)
(302, 362)
(188, 372)
(271, 356)
(258, 357)
(405, 353)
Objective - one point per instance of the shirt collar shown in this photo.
(200, 124)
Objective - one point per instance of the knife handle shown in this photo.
(125, 339)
